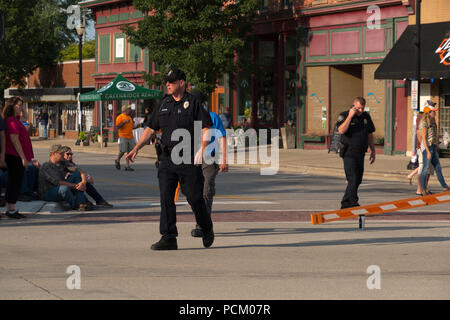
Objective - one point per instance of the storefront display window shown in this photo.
(69, 117)
(244, 107)
(290, 102)
(290, 51)
(265, 99)
(444, 116)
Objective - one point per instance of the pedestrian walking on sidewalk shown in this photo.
(356, 128)
(178, 110)
(125, 126)
(429, 145)
(18, 152)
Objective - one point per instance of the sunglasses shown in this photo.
(69, 154)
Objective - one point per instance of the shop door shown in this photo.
(266, 84)
(400, 124)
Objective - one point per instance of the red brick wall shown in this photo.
(63, 74)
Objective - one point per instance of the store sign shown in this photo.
(444, 52)
(414, 96)
(125, 86)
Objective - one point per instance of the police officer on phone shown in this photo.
(179, 109)
(356, 128)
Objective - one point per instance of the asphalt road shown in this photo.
(265, 247)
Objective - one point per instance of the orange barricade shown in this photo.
(379, 208)
(177, 193)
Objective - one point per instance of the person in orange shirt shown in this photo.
(124, 124)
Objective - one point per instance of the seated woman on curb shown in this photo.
(75, 175)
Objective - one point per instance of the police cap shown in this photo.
(174, 75)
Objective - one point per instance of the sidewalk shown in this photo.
(314, 162)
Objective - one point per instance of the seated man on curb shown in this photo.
(52, 184)
(75, 175)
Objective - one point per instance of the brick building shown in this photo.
(314, 57)
(55, 89)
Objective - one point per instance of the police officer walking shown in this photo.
(179, 109)
(356, 128)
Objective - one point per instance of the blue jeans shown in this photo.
(90, 189)
(64, 193)
(436, 164)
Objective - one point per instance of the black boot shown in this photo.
(165, 244)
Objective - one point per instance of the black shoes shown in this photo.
(85, 207)
(165, 244)
(104, 204)
(117, 164)
(197, 232)
(15, 214)
(208, 238)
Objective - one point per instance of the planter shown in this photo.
(288, 136)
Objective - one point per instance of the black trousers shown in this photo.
(15, 177)
(354, 170)
(191, 182)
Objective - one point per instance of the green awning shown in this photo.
(121, 89)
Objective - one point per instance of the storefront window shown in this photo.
(265, 98)
(266, 53)
(244, 107)
(444, 116)
(107, 114)
(69, 117)
(290, 102)
(291, 51)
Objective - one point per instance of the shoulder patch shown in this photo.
(340, 118)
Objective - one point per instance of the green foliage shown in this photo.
(35, 33)
(71, 52)
(202, 37)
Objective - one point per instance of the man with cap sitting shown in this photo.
(124, 124)
(52, 184)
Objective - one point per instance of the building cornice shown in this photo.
(96, 3)
(302, 11)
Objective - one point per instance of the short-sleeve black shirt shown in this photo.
(172, 115)
(357, 135)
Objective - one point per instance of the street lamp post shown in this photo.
(80, 31)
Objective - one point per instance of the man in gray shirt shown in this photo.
(52, 184)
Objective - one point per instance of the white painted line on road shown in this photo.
(182, 203)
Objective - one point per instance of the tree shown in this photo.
(202, 37)
(71, 52)
(35, 34)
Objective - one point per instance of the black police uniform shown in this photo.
(172, 115)
(355, 143)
